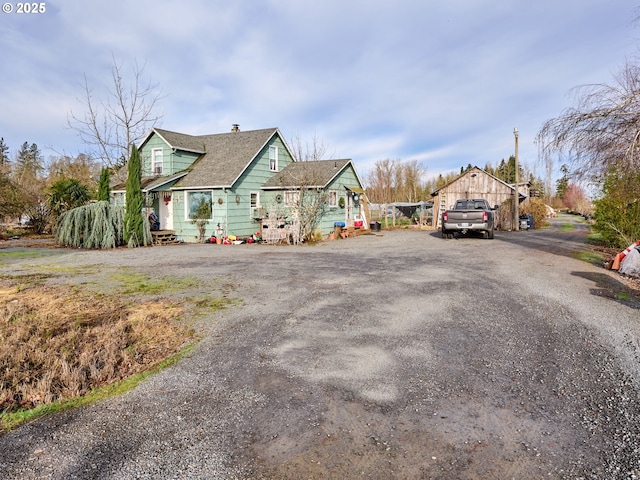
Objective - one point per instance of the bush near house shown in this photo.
(618, 210)
(538, 209)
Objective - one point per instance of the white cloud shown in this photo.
(441, 82)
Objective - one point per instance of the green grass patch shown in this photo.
(595, 238)
(67, 270)
(139, 283)
(10, 421)
(24, 281)
(130, 283)
(214, 303)
(7, 254)
(567, 227)
(595, 258)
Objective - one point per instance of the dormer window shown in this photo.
(156, 161)
(273, 158)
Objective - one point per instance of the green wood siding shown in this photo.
(347, 178)
(234, 216)
(238, 215)
(181, 160)
(182, 224)
(232, 206)
(173, 162)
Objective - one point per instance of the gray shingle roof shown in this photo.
(181, 141)
(225, 156)
(147, 183)
(309, 174)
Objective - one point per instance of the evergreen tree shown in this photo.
(537, 188)
(104, 190)
(4, 154)
(12, 202)
(135, 233)
(506, 170)
(31, 186)
(563, 182)
(489, 169)
(29, 161)
(502, 171)
(96, 225)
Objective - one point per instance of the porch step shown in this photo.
(163, 237)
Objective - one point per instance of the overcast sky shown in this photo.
(441, 82)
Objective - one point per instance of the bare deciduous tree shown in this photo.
(111, 126)
(396, 181)
(304, 183)
(381, 181)
(410, 184)
(82, 167)
(602, 130)
(304, 151)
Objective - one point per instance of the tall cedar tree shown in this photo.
(133, 218)
(4, 153)
(104, 190)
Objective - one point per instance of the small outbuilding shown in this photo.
(476, 183)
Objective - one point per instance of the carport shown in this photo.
(421, 212)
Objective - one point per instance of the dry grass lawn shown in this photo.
(57, 344)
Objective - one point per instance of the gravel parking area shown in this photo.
(399, 355)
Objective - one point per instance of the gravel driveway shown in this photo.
(392, 356)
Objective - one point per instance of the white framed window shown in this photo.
(255, 210)
(273, 158)
(291, 198)
(333, 199)
(195, 199)
(156, 161)
(255, 199)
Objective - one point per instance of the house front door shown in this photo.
(349, 212)
(166, 214)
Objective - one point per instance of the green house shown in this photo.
(246, 177)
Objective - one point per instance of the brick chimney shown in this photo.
(235, 127)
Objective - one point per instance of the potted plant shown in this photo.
(219, 234)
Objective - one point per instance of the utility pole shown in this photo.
(516, 203)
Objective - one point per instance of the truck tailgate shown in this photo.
(471, 216)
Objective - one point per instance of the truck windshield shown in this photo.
(470, 205)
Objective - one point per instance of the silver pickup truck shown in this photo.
(469, 215)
